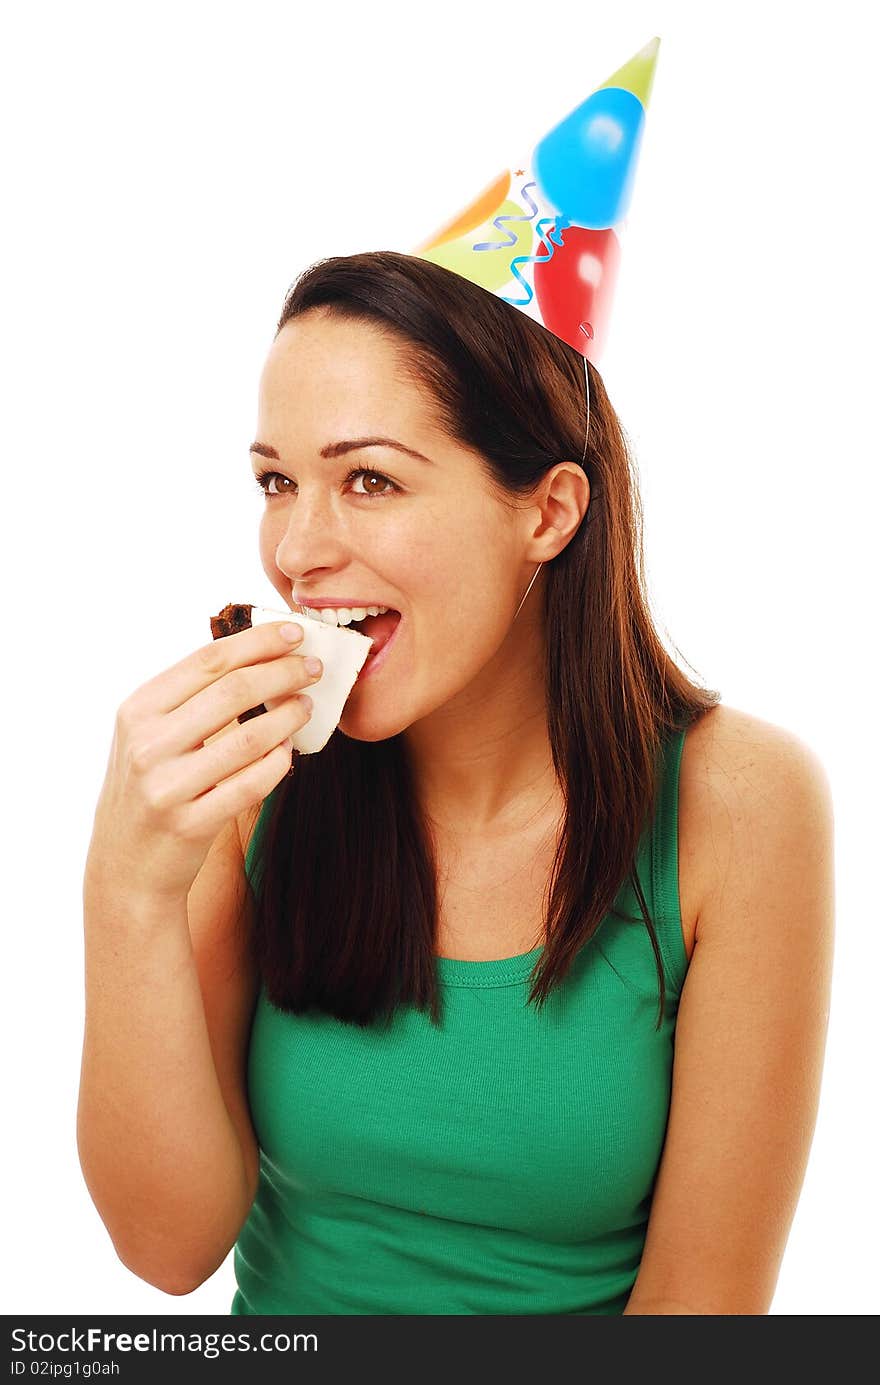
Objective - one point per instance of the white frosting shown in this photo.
(343, 653)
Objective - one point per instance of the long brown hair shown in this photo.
(343, 868)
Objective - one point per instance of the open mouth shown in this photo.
(381, 630)
(377, 628)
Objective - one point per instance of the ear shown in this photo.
(562, 499)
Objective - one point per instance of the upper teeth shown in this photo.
(344, 615)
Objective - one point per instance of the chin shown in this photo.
(360, 727)
(363, 737)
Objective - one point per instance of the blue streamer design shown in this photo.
(559, 224)
(502, 244)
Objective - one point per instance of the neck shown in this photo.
(482, 763)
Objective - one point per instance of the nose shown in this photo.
(313, 538)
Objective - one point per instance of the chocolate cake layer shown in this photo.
(233, 618)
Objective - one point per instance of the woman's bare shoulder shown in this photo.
(725, 744)
(725, 724)
(738, 773)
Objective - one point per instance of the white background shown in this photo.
(172, 167)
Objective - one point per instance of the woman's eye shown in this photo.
(263, 480)
(265, 477)
(375, 476)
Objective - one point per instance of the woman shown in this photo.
(423, 1061)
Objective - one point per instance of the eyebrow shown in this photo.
(339, 449)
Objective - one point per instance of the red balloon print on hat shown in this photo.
(576, 285)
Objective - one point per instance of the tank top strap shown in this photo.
(665, 902)
(257, 835)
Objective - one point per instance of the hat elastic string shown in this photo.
(583, 459)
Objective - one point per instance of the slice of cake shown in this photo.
(342, 651)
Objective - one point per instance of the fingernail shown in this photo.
(291, 633)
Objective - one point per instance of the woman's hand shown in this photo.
(167, 795)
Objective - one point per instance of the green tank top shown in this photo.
(501, 1164)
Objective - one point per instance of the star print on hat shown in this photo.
(544, 234)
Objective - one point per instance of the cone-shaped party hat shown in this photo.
(544, 235)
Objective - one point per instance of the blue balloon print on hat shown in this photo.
(586, 165)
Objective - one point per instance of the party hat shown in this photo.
(544, 234)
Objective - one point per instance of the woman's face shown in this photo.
(425, 537)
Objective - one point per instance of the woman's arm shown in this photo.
(163, 1130)
(751, 1031)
